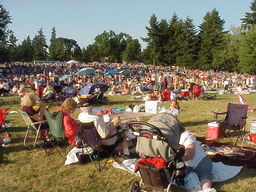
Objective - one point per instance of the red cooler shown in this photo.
(214, 130)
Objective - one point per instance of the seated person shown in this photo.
(151, 96)
(166, 94)
(48, 93)
(126, 90)
(159, 95)
(15, 89)
(105, 130)
(28, 105)
(22, 90)
(70, 125)
(196, 160)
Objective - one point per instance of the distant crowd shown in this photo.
(47, 78)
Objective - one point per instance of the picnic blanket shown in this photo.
(220, 172)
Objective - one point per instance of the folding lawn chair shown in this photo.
(92, 139)
(56, 136)
(3, 114)
(234, 121)
(197, 91)
(31, 127)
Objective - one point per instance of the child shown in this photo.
(174, 108)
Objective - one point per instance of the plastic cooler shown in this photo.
(214, 130)
(153, 106)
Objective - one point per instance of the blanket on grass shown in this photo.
(220, 172)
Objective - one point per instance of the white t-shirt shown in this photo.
(101, 126)
(187, 139)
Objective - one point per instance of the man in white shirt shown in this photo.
(105, 130)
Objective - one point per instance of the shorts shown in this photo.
(203, 169)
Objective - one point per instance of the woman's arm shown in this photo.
(189, 152)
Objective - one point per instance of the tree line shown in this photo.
(171, 42)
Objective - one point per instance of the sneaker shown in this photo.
(212, 190)
(208, 190)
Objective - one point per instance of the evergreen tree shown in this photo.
(227, 59)
(5, 19)
(173, 41)
(161, 42)
(25, 50)
(187, 53)
(247, 52)
(211, 38)
(52, 47)
(53, 36)
(12, 46)
(151, 40)
(250, 18)
(40, 46)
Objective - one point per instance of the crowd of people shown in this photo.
(15, 76)
(158, 82)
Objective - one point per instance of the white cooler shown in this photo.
(153, 106)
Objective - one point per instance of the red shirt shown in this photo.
(167, 95)
(71, 127)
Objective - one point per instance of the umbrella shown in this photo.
(72, 62)
(85, 71)
(65, 77)
(90, 88)
(126, 72)
(112, 72)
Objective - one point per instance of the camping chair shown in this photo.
(92, 139)
(3, 114)
(56, 135)
(250, 139)
(197, 91)
(235, 120)
(31, 127)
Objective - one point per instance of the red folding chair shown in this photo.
(3, 113)
(197, 91)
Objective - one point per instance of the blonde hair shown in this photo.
(69, 105)
(29, 99)
(175, 104)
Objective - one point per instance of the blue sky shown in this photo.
(83, 20)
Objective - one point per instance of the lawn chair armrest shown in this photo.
(216, 114)
(39, 122)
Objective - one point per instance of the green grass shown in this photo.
(31, 170)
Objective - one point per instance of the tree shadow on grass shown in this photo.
(193, 123)
(125, 102)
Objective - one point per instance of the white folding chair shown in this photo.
(31, 127)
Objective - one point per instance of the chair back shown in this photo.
(55, 124)
(197, 90)
(236, 115)
(90, 135)
(26, 118)
(3, 113)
